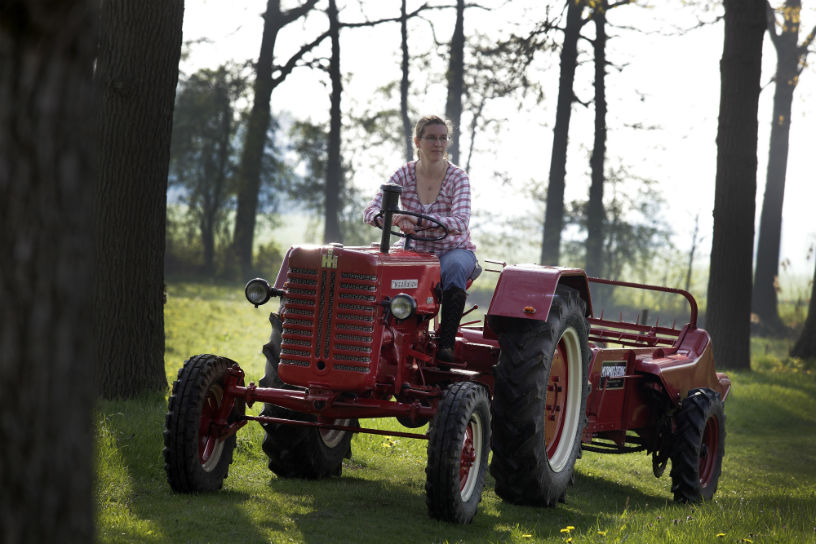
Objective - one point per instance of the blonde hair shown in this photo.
(425, 121)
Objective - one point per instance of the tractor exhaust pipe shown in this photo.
(390, 204)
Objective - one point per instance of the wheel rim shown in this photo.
(563, 401)
(708, 450)
(470, 457)
(332, 437)
(210, 447)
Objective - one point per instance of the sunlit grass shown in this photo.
(767, 491)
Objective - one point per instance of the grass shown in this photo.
(767, 491)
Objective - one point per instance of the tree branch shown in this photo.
(410, 15)
(771, 15)
(804, 48)
(296, 13)
(287, 68)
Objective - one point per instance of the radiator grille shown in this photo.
(329, 316)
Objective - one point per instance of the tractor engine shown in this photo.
(346, 311)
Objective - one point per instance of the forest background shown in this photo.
(662, 85)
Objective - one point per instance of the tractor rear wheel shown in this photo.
(294, 451)
(195, 458)
(699, 445)
(458, 446)
(539, 402)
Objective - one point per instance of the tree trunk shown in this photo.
(554, 214)
(334, 169)
(137, 70)
(404, 85)
(595, 207)
(764, 300)
(729, 286)
(805, 346)
(47, 164)
(212, 200)
(249, 172)
(455, 76)
(692, 251)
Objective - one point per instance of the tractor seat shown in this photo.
(477, 271)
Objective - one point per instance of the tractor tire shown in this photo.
(193, 459)
(294, 451)
(699, 445)
(458, 447)
(539, 402)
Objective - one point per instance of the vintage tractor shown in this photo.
(354, 339)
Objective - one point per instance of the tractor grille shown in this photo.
(329, 318)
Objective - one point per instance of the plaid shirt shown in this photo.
(451, 208)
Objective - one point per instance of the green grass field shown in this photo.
(767, 491)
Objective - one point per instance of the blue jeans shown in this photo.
(455, 267)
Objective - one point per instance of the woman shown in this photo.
(434, 187)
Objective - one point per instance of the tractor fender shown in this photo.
(526, 291)
(689, 366)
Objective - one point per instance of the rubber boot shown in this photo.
(453, 304)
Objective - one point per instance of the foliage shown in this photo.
(766, 494)
(635, 235)
(208, 124)
(203, 154)
(309, 142)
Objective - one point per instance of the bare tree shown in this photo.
(405, 83)
(455, 77)
(595, 206)
(790, 61)
(268, 77)
(729, 285)
(137, 70)
(554, 214)
(695, 239)
(334, 167)
(47, 166)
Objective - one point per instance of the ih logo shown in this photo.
(329, 259)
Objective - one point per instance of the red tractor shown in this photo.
(354, 339)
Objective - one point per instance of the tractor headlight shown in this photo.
(403, 306)
(257, 291)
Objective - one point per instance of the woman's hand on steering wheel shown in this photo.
(406, 223)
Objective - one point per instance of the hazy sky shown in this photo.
(662, 79)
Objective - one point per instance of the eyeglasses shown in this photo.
(440, 139)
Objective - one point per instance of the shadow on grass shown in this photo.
(136, 427)
(356, 509)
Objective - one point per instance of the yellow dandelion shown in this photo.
(602, 533)
(720, 535)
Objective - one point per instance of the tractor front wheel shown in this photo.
(195, 457)
(458, 446)
(539, 402)
(699, 445)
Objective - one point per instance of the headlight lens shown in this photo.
(403, 306)
(257, 291)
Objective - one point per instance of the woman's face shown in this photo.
(433, 143)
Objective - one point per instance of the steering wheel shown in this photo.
(396, 232)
